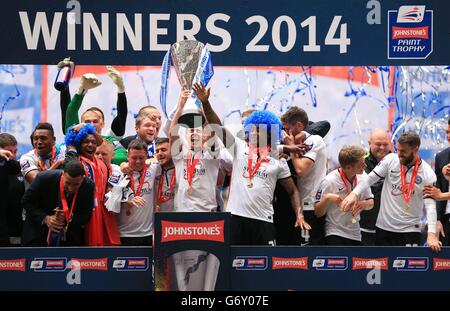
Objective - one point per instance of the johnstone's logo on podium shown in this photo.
(410, 32)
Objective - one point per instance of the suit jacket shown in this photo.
(127, 140)
(43, 197)
(442, 159)
(7, 169)
(320, 128)
(368, 219)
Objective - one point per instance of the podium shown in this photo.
(192, 251)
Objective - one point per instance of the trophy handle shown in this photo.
(212, 270)
(190, 269)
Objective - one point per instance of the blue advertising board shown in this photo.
(242, 268)
(76, 269)
(339, 269)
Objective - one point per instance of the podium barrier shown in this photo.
(73, 268)
(192, 252)
(328, 268)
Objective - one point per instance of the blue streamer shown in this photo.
(9, 70)
(141, 78)
(309, 84)
(165, 75)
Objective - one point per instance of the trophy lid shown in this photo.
(191, 116)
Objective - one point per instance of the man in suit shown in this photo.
(8, 167)
(60, 201)
(379, 146)
(441, 193)
(11, 192)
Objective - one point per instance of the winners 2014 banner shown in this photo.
(238, 32)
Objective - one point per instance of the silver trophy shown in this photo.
(186, 56)
(195, 270)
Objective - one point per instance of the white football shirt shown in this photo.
(337, 222)
(203, 196)
(30, 162)
(140, 222)
(255, 202)
(166, 175)
(309, 184)
(395, 215)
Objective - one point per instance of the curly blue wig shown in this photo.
(75, 138)
(266, 118)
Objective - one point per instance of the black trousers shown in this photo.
(340, 241)
(446, 224)
(138, 241)
(248, 231)
(368, 239)
(388, 238)
(315, 236)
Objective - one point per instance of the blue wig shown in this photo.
(75, 138)
(265, 118)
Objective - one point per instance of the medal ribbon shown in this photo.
(141, 181)
(65, 206)
(262, 158)
(407, 192)
(346, 182)
(191, 163)
(97, 177)
(137, 192)
(42, 163)
(96, 172)
(347, 187)
(160, 197)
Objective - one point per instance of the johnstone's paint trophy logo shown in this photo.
(410, 32)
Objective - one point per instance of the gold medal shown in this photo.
(354, 220)
(250, 184)
(158, 208)
(190, 190)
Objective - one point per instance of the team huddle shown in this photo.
(102, 188)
